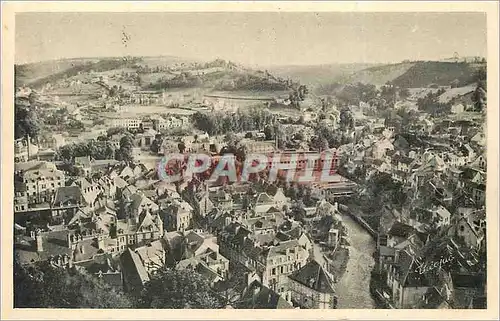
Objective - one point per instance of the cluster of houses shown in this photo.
(443, 220)
(155, 122)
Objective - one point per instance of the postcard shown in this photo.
(294, 160)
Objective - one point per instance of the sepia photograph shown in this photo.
(266, 159)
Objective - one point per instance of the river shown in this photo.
(353, 289)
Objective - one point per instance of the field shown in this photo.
(380, 75)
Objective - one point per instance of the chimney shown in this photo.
(100, 242)
(311, 283)
(28, 145)
(39, 241)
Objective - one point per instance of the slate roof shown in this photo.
(314, 277)
(399, 229)
(69, 193)
(467, 281)
(83, 161)
(54, 243)
(258, 296)
(264, 199)
(134, 271)
(407, 274)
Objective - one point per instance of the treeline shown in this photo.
(422, 74)
(219, 123)
(92, 148)
(100, 66)
(183, 80)
(253, 82)
(25, 122)
(42, 285)
(431, 105)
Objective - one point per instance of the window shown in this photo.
(462, 228)
(281, 269)
(273, 271)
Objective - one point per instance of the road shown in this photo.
(353, 289)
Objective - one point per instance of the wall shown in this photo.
(412, 296)
(308, 298)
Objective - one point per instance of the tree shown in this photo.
(125, 151)
(156, 144)
(404, 93)
(43, 286)
(269, 132)
(455, 83)
(97, 149)
(116, 130)
(32, 98)
(173, 289)
(76, 124)
(346, 119)
(26, 122)
(182, 147)
(479, 98)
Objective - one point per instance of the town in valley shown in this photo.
(400, 223)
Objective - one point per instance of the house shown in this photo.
(134, 273)
(263, 202)
(260, 225)
(380, 148)
(324, 208)
(138, 230)
(40, 245)
(469, 228)
(311, 287)
(89, 190)
(138, 203)
(211, 264)
(479, 139)
(129, 123)
(259, 296)
(399, 233)
(402, 163)
(66, 202)
(479, 163)
(83, 163)
(257, 147)
(280, 200)
(198, 242)
(205, 205)
(272, 263)
(407, 283)
(465, 289)
(152, 255)
(147, 138)
(20, 197)
(41, 182)
(178, 216)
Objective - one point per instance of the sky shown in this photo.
(253, 38)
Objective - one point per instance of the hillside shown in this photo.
(409, 75)
(318, 75)
(380, 75)
(40, 73)
(423, 74)
(72, 77)
(26, 74)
